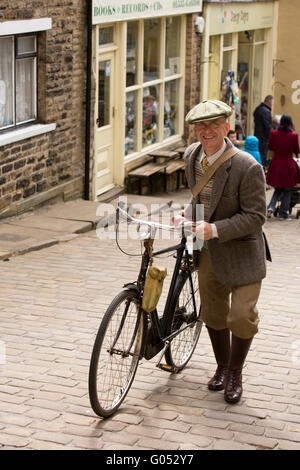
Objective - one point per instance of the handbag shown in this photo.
(153, 287)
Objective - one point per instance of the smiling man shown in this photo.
(232, 262)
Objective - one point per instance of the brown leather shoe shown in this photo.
(238, 354)
(234, 388)
(220, 340)
(217, 382)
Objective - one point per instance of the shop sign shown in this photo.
(231, 18)
(106, 11)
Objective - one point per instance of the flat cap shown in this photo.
(208, 110)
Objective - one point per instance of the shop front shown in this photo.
(139, 70)
(238, 52)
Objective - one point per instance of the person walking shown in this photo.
(232, 260)
(263, 124)
(283, 172)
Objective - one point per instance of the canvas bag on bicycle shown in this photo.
(153, 287)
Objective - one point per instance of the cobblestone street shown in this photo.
(52, 301)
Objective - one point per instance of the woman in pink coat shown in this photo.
(283, 172)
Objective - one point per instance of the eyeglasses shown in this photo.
(211, 125)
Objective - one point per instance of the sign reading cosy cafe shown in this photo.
(105, 11)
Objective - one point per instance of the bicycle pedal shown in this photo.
(168, 368)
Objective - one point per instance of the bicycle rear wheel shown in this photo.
(116, 353)
(181, 314)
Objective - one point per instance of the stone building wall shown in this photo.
(193, 72)
(50, 166)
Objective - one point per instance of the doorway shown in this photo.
(105, 123)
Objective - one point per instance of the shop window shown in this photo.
(229, 90)
(244, 76)
(132, 53)
(171, 108)
(131, 122)
(172, 56)
(259, 35)
(152, 31)
(18, 80)
(214, 66)
(258, 68)
(227, 65)
(246, 37)
(154, 70)
(250, 76)
(150, 115)
(106, 35)
(227, 40)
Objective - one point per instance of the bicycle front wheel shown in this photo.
(116, 353)
(184, 313)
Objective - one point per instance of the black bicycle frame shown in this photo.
(157, 328)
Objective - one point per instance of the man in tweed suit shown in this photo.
(232, 262)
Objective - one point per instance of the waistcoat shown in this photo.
(205, 194)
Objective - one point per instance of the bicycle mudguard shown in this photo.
(132, 285)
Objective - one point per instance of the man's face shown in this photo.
(211, 134)
(269, 103)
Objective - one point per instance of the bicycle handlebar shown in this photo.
(146, 222)
(182, 226)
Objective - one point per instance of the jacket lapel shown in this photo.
(220, 180)
(191, 164)
(221, 176)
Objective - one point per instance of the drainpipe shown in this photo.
(88, 102)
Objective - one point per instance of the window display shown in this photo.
(152, 31)
(171, 108)
(131, 122)
(172, 56)
(132, 53)
(150, 115)
(153, 76)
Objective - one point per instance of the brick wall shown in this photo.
(193, 72)
(49, 166)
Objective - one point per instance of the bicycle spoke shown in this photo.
(184, 316)
(116, 355)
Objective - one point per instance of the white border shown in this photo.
(25, 26)
(25, 133)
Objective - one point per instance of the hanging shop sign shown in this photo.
(107, 11)
(230, 18)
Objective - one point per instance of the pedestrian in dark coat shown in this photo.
(263, 125)
(283, 173)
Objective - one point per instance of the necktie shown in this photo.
(204, 163)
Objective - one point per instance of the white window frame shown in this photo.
(21, 27)
(16, 56)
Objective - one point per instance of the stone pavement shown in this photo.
(52, 300)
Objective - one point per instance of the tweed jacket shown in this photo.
(238, 209)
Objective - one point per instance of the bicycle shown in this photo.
(127, 333)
